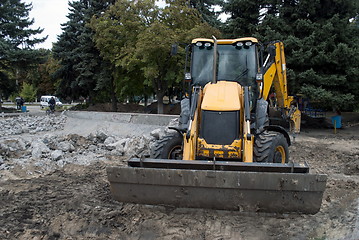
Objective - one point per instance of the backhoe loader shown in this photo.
(225, 153)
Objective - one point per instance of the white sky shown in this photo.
(48, 15)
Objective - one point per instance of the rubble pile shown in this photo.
(30, 124)
(51, 150)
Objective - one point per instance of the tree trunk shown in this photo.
(146, 100)
(160, 95)
(113, 97)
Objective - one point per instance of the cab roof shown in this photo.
(226, 41)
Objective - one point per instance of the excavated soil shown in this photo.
(73, 201)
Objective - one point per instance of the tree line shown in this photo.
(110, 51)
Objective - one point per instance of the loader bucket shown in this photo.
(276, 188)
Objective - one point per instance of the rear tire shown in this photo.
(271, 147)
(169, 147)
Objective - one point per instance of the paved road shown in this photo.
(31, 108)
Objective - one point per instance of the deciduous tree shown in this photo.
(137, 37)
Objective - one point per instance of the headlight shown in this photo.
(199, 44)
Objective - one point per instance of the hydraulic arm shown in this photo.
(275, 76)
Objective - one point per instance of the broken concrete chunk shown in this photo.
(56, 155)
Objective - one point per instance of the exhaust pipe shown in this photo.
(214, 80)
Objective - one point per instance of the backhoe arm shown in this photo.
(276, 76)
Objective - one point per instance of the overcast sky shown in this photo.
(48, 15)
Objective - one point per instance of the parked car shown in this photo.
(44, 101)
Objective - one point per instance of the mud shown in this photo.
(73, 201)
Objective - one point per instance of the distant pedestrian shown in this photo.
(52, 103)
(19, 102)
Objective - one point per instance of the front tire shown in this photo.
(169, 147)
(271, 147)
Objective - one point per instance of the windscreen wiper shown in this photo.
(245, 72)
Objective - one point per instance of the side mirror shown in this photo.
(174, 49)
(271, 51)
(187, 77)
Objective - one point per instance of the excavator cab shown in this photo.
(237, 61)
(224, 154)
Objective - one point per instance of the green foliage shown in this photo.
(17, 40)
(82, 71)
(137, 37)
(244, 17)
(7, 85)
(207, 12)
(322, 47)
(327, 99)
(41, 76)
(13, 96)
(15, 23)
(80, 106)
(28, 92)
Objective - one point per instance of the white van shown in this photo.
(44, 101)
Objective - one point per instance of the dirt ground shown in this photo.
(74, 202)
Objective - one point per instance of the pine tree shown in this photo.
(82, 70)
(244, 17)
(321, 43)
(17, 41)
(322, 49)
(207, 10)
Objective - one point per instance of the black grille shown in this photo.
(219, 127)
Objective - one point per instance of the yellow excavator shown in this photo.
(225, 153)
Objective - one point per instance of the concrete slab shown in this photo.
(135, 118)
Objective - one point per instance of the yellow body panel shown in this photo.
(202, 40)
(222, 96)
(248, 148)
(190, 142)
(276, 76)
(220, 151)
(295, 121)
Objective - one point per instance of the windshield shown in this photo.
(234, 64)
